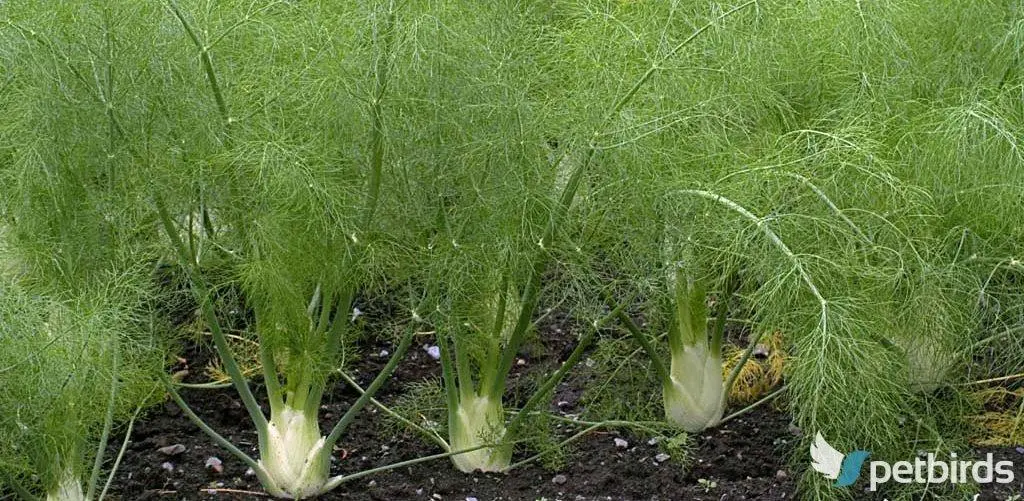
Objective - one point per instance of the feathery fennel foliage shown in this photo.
(71, 369)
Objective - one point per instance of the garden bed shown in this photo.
(744, 459)
(750, 457)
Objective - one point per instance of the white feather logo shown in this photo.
(825, 459)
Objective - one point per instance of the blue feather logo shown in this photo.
(843, 468)
(851, 468)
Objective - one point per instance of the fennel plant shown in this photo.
(70, 371)
(504, 195)
(296, 217)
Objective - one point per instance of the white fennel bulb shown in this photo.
(479, 420)
(695, 394)
(293, 456)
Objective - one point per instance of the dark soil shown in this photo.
(743, 459)
(746, 458)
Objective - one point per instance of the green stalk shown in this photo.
(718, 332)
(124, 447)
(326, 308)
(762, 225)
(432, 435)
(660, 369)
(463, 370)
(451, 386)
(364, 399)
(340, 479)
(203, 295)
(108, 98)
(561, 444)
(574, 358)
(767, 398)
(513, 427)
(207, 62)
(108, 423)
(735, 372)
(338, 323)
(273, 384)
(314, 397)
(377, 130)
(490, 370)
(218, 438)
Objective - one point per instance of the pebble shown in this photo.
(794, 430)
(167, 466)
(662, 457)
(653, 441)
(521, 362)
(384, 353)
(433, 351)
(1020, 450)
(621, 444)
(471, 498)
(172, 450)
(371, 484)
(559, 479)
(250, 472)
(214, 463)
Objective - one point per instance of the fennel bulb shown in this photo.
(479, 420)
(293, 455)
(927, 363)
(695, 392)
(68, 489)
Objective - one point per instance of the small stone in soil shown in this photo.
(250, 472)
(620, 443)
(471, 498)
(371, 483)
(167, 466)
(172, 450)
(214, 463)
(653, 441)
(662, 457)
(559, 479)
(433, 351)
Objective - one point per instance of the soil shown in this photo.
(743, 459)
(746, 458)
